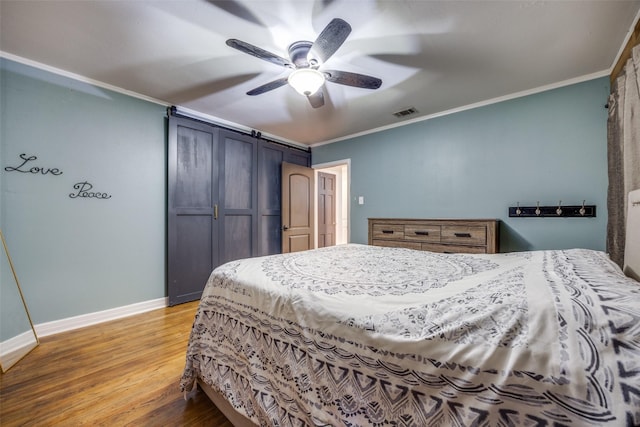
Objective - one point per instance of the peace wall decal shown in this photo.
(84, 191)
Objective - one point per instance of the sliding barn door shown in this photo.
(238, 214)
(194, 160)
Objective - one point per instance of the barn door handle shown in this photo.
(215, 211)
(285, 228)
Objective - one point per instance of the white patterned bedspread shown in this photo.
(358, 335)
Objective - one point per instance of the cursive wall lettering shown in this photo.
(33, 169)
(84, 191)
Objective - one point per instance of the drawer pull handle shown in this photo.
(422, 233)
(387, 231)
(462, 234)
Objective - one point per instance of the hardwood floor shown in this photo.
(119, 373)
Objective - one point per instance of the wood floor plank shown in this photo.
(124, 372)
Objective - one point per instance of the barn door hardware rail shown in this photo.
(557, 211)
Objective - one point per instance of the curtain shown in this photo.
(623, 144)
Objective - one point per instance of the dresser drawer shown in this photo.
(460, 235)
(388, 231)
(398, 244)
(422, 233)
(454, 249)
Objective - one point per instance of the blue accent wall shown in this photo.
(544, 147)
(81, 255)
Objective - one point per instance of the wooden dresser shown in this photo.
(437, 235)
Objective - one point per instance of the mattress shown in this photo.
(359, 335)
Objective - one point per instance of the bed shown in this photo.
(356, 335)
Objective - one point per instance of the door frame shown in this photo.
(343, 199)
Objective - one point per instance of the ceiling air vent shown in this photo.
(405, 112)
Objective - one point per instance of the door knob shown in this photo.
(285, 228)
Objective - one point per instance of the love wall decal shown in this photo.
(23, 168)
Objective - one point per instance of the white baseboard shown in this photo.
(70, 323)
(15, 348)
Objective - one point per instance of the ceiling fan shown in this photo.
(305, 60)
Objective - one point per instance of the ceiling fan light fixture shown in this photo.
(306, 81)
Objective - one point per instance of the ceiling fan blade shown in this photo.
(352, 79)
(259, 53)
(317, 99)
(268, 86)
(329, 40)
(235, 8)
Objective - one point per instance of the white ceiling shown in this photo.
(435, 56)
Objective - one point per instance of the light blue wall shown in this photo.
(544, 147)
(78, 256)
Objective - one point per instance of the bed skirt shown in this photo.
(236, 418)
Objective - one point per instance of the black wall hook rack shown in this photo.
(558, 211)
